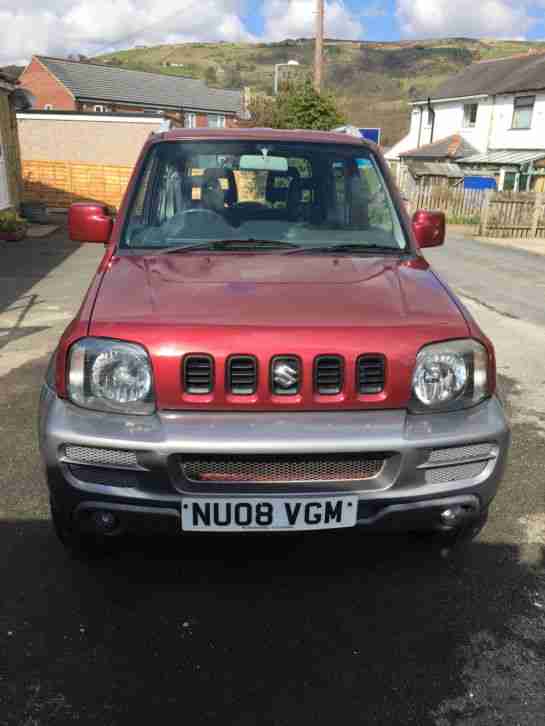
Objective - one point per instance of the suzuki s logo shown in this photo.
(285, 374)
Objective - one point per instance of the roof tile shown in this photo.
(98, 82)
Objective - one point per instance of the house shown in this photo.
(497, 110)
(59, 84)
(10, 164)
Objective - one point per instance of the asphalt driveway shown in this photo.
(269, 630)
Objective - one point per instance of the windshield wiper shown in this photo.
(347, 249)
(221, 245)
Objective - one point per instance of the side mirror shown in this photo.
(88, 222)
(429, 228)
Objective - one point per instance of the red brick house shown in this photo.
(66, 85)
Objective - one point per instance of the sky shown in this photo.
(60, 27)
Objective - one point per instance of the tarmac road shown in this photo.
(329, 628)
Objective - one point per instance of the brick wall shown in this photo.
(46, 88)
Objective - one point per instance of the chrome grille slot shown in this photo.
(454, 473)
(370, 374)
(198, 374)
(281, 469)
(328, 375)
(242, 375)
(93, 456)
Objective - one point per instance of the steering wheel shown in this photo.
(209, 212)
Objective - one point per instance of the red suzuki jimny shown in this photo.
(265, 348)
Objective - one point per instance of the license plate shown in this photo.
(229, 514)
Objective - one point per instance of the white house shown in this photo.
(497, 109)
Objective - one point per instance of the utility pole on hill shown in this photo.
(318, 51)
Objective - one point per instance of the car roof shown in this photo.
(263, 134)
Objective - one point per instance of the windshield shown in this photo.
(296, 194)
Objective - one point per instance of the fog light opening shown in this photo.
(453, 516)
(105, 522)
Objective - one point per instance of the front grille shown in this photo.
(328, 375)
(454, 473)
(460, 453)
(242, 375)
(370, 374)
(198, 374)
(94, 456)
(281, 469)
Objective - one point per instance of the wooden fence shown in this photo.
(513, 214)
(59, 184)
(458, 204)
(498, 214)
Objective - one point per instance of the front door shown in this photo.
(4, 187)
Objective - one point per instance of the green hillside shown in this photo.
(373, 81)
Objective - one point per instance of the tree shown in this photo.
(297, 106)
(210, 75)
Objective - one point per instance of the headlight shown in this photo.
(109, 375)
(450, 376)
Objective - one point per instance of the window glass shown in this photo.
(216, 121)
(190, 120)
(322, 194)
(470, 114)
(523, 112)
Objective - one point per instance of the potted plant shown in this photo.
(12, 227)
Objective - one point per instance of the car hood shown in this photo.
(267, 305)
(273, 290)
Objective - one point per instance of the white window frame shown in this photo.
(190, 120)
(99, 108)
(220, 120)
(530, 103)
(468, 112)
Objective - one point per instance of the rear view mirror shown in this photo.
(89, 222)
(429, 228)
(257, 162)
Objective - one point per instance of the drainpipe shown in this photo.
(430, 109)
(420, 127)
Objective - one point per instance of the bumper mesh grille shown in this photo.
(101, 457)
(281, 469)
(460, 453)
(455, 473)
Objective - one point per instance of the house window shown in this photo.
(98, 108)
(429, 117)
(523, 111)
(216, 121)
(48, 107)
(470, 115)
(190, 120)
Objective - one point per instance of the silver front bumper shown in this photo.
(404, 480)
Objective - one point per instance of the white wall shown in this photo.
(449, 120)
(504, 137)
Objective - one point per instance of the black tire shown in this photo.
(80, 545)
